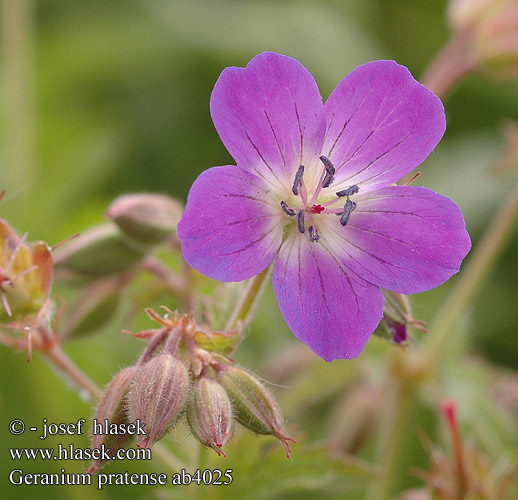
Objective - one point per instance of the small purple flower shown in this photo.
(314, 189)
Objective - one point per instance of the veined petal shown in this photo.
(403, 238)
(270, 116)
(381, 124)
(232, 227)
(331, 310)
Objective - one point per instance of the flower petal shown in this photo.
(330, 310)
(403, 238)
(270, 116)
(381, 124)
(232, 227)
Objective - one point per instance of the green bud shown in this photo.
(397, 315)
(25, 279)
(256, 408)
(100, 251)
(158, 395)
(209, 414)
(148, 219)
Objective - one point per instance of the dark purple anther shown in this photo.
(300, 221)
(348, 209)
(288, 211)
(298, 180)
(330, 171)
(313, 234)
(349, 191)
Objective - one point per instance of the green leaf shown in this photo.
(223, 343)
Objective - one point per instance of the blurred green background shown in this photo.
(104, 97)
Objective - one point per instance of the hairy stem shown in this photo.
(167, 457)
(246, 307)
(470, 280)
(59, 358)
(177, 284)
(400, 393)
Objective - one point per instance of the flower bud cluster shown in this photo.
(176, 379)
(25, 277)
(25, 283)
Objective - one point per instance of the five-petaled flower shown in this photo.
(314, 189)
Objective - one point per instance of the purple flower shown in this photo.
(314, 189)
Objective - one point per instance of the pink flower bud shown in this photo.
(497, 41)
(463, 14)
(146, 218)
(256, 409)
(158, 395)
(491, 29)
(210, 414)
(112, 408)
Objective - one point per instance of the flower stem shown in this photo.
(57, 356)
(247, 305)
(470, 280)
(18, 70)
(155, 266)
(168, 457)
(451, 64)
(400, 393)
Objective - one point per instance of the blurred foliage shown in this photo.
(121, 104)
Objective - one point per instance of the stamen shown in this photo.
(313, 234)
(349, 191)
(412, 179)
(300, 221)
(287, 210)
(330, 171)
(298, 180)
(348, 210)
